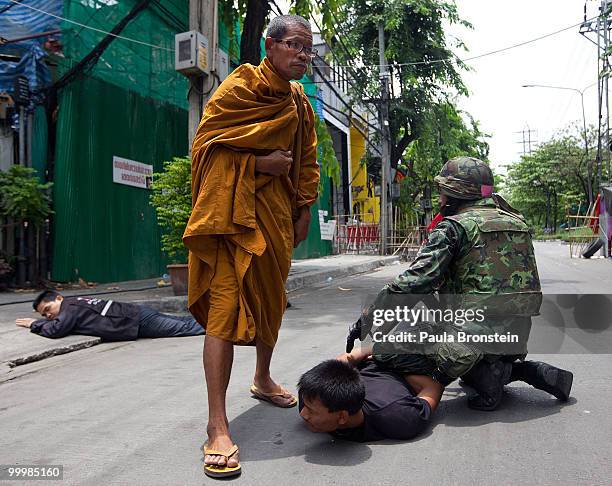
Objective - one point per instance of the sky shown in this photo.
(497, 99)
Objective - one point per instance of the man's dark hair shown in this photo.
(278, 25)
(337, 384)
(45, 296)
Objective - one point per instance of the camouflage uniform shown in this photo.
(482, 256)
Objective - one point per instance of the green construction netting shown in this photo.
(132, 104)
(147, 67)
(106, 231)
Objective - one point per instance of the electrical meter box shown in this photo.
(191, 53)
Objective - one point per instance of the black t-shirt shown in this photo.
(391, 408)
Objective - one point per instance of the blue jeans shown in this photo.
(152, 324)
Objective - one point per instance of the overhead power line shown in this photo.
(433, 61)
(490, 53)
(91, 28)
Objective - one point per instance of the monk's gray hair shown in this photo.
(278, 25)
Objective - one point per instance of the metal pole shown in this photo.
(584, 127)
(30, 119)
(607, 76)
(384, 122)
(605, 66)
(201, 18)
(22, 142)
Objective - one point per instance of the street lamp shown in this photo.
(586, 143)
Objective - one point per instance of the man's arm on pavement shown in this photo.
(25, 322)
(426, 388)
(55, 328)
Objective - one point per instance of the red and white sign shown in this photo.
(132, 173)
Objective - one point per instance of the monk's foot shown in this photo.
(269, 387)
(219, 439)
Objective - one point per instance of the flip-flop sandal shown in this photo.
(215, 471)
(273, 397)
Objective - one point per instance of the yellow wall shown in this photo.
(369, 207)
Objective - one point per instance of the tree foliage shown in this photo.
(330, 166)
(253, 16)
(171, 198)
(23, 197)
(446, 133)
(425, 126)
(556, 171)
(415, 42)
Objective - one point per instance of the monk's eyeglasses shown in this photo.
(298, 47)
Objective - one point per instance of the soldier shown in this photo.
(480, 255)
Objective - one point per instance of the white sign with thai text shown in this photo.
(132, 173)
(328, 229)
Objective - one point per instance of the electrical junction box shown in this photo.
(191, 53)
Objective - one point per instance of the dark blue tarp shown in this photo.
(19, 21)
(31, 66)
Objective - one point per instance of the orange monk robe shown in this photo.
(240, 233)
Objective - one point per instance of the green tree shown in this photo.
(415, 44)
(253, 16)
(23, 197)
(171, 198)
(446, 133)
(552, 181)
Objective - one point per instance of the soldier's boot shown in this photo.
(544, 377)
(488, 379)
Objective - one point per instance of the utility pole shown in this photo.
(527, 140)
(203, 18)
(384, 125)
(600, 28)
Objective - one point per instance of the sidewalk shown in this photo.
(18, 346)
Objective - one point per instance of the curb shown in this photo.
(68, 348)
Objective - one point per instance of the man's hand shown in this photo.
(25, 322)
(355, 356)
(300, 227)
(276, 163)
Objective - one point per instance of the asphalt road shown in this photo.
(134, 413)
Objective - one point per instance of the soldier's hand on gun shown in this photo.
(353, 334)
(276, 163)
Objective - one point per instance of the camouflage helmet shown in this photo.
(465, 178)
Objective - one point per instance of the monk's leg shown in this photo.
(262, 379)
(218, 358)
(219, 353)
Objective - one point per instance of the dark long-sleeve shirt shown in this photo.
(110, 320)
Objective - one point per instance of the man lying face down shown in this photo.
(355, 399)
(366, 404)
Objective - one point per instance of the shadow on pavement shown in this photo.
(520, 404)
(265, 432)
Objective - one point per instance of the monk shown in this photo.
(254, 178)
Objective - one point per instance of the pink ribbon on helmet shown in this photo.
(486, 191)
